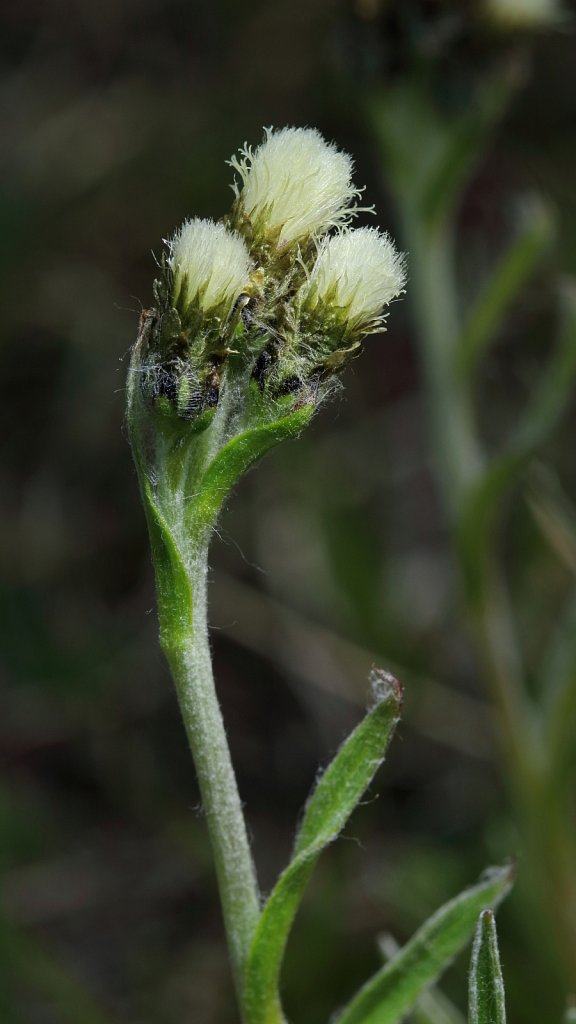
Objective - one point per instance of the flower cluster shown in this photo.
(279, 293)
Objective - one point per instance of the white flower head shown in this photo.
(294, 185)
(211, 266)
(356, 274)
(523, 14)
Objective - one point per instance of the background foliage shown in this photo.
(334, 554)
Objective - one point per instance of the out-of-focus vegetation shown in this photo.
(338, 551)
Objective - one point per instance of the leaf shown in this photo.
(336, 795)
(554, 513)
(464, 142)
(429, 166)
(235, 458)
(394, 989)
(173, 586)
(475, 527)
(556, 388)
(486, 992)
(555, 391)
(507, 279)
(432, 1007)
(557, 674)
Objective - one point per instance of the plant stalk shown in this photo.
(188, 653)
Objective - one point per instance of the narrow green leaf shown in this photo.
(429, 167)
(334, 798)
(554, 393)
(394, 989)
(556, 387)
(464, 142)
(554, 513)
(557, 676)
(173, 588)
(507, 279)
(236, 457)
(432, 1007)
(475, 527)
(343, 783)
(486, 993)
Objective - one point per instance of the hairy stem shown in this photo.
(188, 654)
(170, 465)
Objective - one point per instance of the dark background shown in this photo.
(117, 121)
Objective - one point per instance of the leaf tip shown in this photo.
(385, 687)
(503, 876)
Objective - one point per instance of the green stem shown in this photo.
(171, 464)
(460, 464)
(188, 654)
(185, 477)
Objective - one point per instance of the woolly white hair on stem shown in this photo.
(295, 184)
(210, 263)
(355, 275)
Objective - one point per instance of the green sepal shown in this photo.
(201, 422)
(486, 1003)
(394, 989)
(334, 798)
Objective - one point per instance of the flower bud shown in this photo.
(293, 186)
(356, 274)
(210, 265)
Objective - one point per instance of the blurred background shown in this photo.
(338, 552)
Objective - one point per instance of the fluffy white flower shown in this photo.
(294, 185)
(355, 275)
(211, 265)
(523, 14)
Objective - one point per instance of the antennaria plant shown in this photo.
(253, 319)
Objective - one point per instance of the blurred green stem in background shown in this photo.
(189, 455)
(428, 168)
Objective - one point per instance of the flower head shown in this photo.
(294, 185)
(210, 264)
(355, 275)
